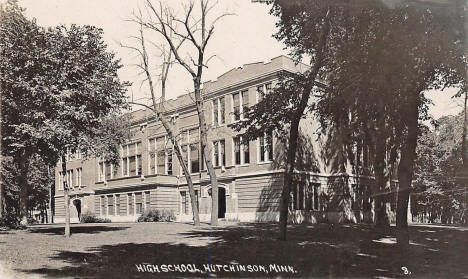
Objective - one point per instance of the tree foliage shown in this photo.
(438, 195)
(60, 91)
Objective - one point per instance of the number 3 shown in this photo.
(405, 270)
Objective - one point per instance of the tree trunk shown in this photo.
(381, 218)
(188, 178)
(464, 134)
(1, 165)
(23, 165)
(66, 198)
(167, 127)
(294, 129)
(51, 198)
(405, 171)
(288, 178)
(206, 149)
(196, 218)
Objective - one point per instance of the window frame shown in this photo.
(241, 150)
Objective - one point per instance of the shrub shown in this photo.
(10, 221)
(89, 217)
(156, 215)
(168, 216)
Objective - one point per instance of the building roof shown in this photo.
(232, 77)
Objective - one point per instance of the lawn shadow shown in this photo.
(312, 250)
(77, 229)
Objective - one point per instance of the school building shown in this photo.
(149, 175)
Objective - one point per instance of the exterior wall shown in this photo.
(252, 190)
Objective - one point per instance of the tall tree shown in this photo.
(158, 107)
(195, 30)
(61, 93)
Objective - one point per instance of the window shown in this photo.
(69, 178)
(219, 108)
(263, 90)
(219, 153)
(236, 106)
(306, 196)
(160, 155)
(130, 204)
(67, 155)
(78, 155)
(147, 200)
(241, 151)
(184, 200)
(152, 156)
(245, 103)
(117, 204)
(266, 147)
(316, 194)
(103, 205)
(194, 158)
(79, 172)
(60, 180)
(169, 162)
(240, 103)
(110, 205)
(108, 173)
(139, 203)
(131, 159)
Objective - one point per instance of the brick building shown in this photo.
(149, 175)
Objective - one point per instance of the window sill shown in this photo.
(264, 162)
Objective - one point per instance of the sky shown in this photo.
(242, 38)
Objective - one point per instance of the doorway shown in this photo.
(77, 204)
(221, 202)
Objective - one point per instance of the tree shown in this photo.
(197, 33)
(61, 93)
(439, 196)
(283, 108)
(158, 109)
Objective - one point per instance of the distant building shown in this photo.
(149, 175)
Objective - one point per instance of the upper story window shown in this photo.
(157, 148)
(131, 159)
(240, 103)
(219, 153)
(61, 177)
(219, 110)
(265, 147)
(190, 143)
(263, 90)
(106, 171)
(241, 151)
(194, 154)
(69, 178)
(79, 172)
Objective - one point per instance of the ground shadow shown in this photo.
(77, 229)
(319, 250)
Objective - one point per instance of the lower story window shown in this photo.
(184, 200)
(117, 204)
(139, 203)
(147, 200)
(103, 205)
(110, 205)
(306, 196)
(130, 210)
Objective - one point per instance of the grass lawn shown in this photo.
(321, 250)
